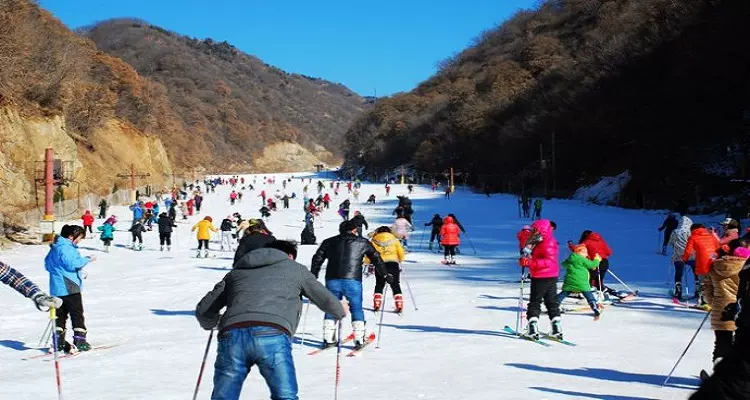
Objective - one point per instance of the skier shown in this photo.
(198, 202)
(450, 239)
(107, 233)
(102, 208)
(65, 266)
(239, 196)
(704, 244)
(538, 209)
(526, 206)
(387, 190)
(447, 192)
(669, 225)
(263, 300)
(410, 188)
(360, 221)
(720, 289)
(401, 228)
(255, 235)
(576, 279)
(190, 206)
(226, 233)
(344, 209)
(678, 240)
(285, 200)
(265, 212)
(232, 197)
(326, 201)
(308, 233)
(436, 223)
(371, 199)
(544, 274)
(172, 213)
(204, 228)
(392, 253)
(136, 231)
(345, 253)
(460, 226)
(138, 210)
(730, 231)
(355, 194)
(166, 223)
(595, 245)
(11, 277)
(88, 220)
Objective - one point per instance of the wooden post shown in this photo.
(453, 188)
(49, 185)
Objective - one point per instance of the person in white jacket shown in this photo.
(678, 241)
(401, 228)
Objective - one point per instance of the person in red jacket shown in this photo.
(545, 270)
(190, 206)
(705, 245)
(523, 235)
(326, 200)
(450, 239)
(595, 245)
(88, 220)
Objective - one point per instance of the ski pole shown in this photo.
(338, 364)
(623, 283)
(686, 349)
(520, 300)
(382, 312)
(406, 281)
(304, 324)
(471, 243)
(44, 340)
(53, 317)
(421, 239)
(203, 365)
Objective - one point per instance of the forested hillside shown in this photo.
(231, 105)
(592, 87)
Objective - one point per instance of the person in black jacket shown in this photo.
(166, 223)
(345, 253)
(256, 235)
(436, 223)
(669, 225)
(173, 211)
(360, 221)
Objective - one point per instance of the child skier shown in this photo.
(88, 220)
(544, 274)
(705, 245)
(137, 232)
(436, 223)
(204, 228)
(166, 223)
(578, 266)
(65, 266)
(107, 235)
(401, 228)
(392, 253)
(450, 239)
(371, 199)
(227, 227)
(265, 212)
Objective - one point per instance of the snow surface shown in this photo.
(453, 347)
(606, 191)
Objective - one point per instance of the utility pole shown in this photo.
(453, 188)
(132, 175)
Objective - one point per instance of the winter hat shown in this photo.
(743, 252)
(730, 223)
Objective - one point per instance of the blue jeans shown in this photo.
(586, 294)
(352, 290)
(268, 348)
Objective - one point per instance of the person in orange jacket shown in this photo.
(88, 220)
(705, 245)
(449, 238)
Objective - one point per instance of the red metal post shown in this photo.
(49, 184)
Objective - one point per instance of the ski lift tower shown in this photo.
(51, 174)
(132, 175)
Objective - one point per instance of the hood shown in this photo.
(449, 220)
(595, 237)
(728, 266)
(260, 258)
(87, 212)
(701, 232)
(543, 226)
(384, 239)
(62, 242)
(684, 225)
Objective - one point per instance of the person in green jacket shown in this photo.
(577, 276)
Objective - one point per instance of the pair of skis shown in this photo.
(541, 341)
(355, 352)
(48, 356)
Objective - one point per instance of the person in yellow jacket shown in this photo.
(204, 227)
(392, 252)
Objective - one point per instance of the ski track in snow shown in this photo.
(453, 347)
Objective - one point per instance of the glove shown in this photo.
(389, 278)
(44, 302)
(729, 312)
(524, 262)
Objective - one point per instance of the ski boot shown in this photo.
(106, 249)
(377, 301)
(62, 344)
(359, 334)
(329, 333)
(161, 248)
(532, 330)
(79, 340)
(677, 290)
(430, 246)
(557, 328)
(169, 248)
(452, 260)
(140, 246)
(399, 303)
(198, 255)
(205, 254)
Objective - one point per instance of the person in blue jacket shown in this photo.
(65, 266)
(138, 210)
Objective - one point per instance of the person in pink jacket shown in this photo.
(545, 269)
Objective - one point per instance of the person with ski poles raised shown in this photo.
(263, 299)
(345, 253)
(16, 280)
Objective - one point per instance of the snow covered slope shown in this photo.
(452, 348)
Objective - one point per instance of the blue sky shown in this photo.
(384, 45)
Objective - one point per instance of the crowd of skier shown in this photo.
(718, 260)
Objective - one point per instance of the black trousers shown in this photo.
(730, 380)
(435, 235)
(165, 238)
(137, 236)
(380, 282)
(72, 305)
(724, 340)
(89, 228)
(596, 276)
(543, 289)
(667, 235)
(201, 243)
(449, 249)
